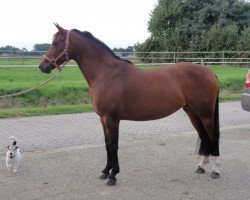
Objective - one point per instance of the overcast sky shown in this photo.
(118, 23)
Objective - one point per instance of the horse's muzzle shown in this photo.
(45, 69)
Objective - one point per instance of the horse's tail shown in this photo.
(209, 141)
(216, 136)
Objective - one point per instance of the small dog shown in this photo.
(13, 156)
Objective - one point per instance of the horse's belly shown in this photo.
(151, 112)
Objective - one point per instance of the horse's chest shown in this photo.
(100, 102)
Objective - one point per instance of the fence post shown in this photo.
(174, 56)
(223, 58)
(23, 56)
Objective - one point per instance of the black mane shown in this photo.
(88, 35)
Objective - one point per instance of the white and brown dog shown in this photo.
(13, 156)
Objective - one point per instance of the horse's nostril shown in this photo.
(40, 66)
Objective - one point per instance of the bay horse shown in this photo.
(121, 91)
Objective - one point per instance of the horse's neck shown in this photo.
(95, 65)
(94, 68)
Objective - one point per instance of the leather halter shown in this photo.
(65, 52)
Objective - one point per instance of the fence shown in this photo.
(239, 58)
(236, 58)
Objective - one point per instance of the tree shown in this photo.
(124, 52)
(9, 48)
(41, 47)
(128, 49)
(218, 39)
(244, 41)
(193, 25)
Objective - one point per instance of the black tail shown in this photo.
(216, 137)
(210, 145)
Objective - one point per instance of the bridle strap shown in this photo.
(53, 62)
(65, 52)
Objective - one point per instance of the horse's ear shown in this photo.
(59, 27)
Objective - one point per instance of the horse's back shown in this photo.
(186, 78)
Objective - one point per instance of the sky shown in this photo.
(117, 23)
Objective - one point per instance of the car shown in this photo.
(245, 98)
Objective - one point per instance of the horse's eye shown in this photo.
(54, 43)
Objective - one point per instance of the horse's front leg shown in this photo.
(105, 171)
(112, 131)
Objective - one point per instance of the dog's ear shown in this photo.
(8, 147)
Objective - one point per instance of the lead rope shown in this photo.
(30, 89)
(52, 61)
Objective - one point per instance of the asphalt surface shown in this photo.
(62, 157)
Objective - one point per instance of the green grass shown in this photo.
(232, 81)
(28, 76)
(23, 61)
(69, 92)
(69, 88)
(48, 110)
(19, 61)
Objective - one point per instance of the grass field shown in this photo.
(232, 81)
(69, 92)
(8, 61)
(18, 61)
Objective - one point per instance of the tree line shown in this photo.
(198, 25)
(37, 47)
(44, 47)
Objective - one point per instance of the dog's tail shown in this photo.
(12, 137)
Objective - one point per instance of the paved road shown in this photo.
(63, 155)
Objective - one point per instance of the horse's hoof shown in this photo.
(200, 170)
(215, 175)
(104, 176)
(110, 182)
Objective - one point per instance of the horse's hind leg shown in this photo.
(213, 133)
(201, 165)
(197, 123)
(210, 120)
(215, 170)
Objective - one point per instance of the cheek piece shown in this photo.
(64, 53)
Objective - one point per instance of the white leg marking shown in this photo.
(216, 164)
(204, 160)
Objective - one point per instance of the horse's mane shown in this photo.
(89, 36)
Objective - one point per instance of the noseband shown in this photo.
(65, 52)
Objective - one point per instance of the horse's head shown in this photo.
(58, 52)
